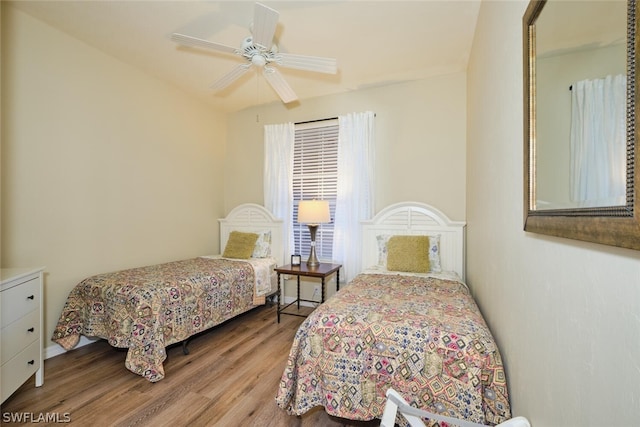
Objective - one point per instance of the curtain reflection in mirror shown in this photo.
(598, 141)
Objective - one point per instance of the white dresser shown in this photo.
(20, 328)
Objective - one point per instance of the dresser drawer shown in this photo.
(19, 334)
(20, 300)
(17, 370)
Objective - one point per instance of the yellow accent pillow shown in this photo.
(408, 253)
(240, 245)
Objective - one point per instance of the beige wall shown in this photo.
(420, 141)
(565, 313)
(103, 167)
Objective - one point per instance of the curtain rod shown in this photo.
(320, 120)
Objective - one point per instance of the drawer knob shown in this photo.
(31, 362)
(31, 297)
(31, 329)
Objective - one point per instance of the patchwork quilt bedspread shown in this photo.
(423, 336)
(148, 308)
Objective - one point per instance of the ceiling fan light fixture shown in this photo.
(260, 50)
(258, 60)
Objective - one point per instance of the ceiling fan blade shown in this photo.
(280, 85)
(230, 77)
(307, 63)
(194, 41)
(265, 21)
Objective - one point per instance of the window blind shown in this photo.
(315, 176)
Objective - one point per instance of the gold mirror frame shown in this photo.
(614, 226)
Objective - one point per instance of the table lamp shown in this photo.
(312, 213)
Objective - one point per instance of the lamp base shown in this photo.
(313, 259)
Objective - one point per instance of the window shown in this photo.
(315, 176)
(322, 153)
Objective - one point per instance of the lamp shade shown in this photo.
(313, 212)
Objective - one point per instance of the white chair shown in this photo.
(395, 403)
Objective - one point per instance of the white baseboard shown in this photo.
(56, 349)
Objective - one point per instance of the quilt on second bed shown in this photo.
(148, 308)
(423, 336)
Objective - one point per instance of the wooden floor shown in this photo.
(230, 378)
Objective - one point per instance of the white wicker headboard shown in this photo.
(252, 218)
(416, 218)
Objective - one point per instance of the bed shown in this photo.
(419, 333)
(148, 308)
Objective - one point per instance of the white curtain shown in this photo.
(598, 141)
(354, 201)
(278, 178)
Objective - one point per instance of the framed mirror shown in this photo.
(580, 118)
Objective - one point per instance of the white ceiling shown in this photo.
(376, 43)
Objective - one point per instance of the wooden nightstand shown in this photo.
(322, 271)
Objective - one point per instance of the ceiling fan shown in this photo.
(260, 50)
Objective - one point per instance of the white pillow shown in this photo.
(434, 251)
(263, 245)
